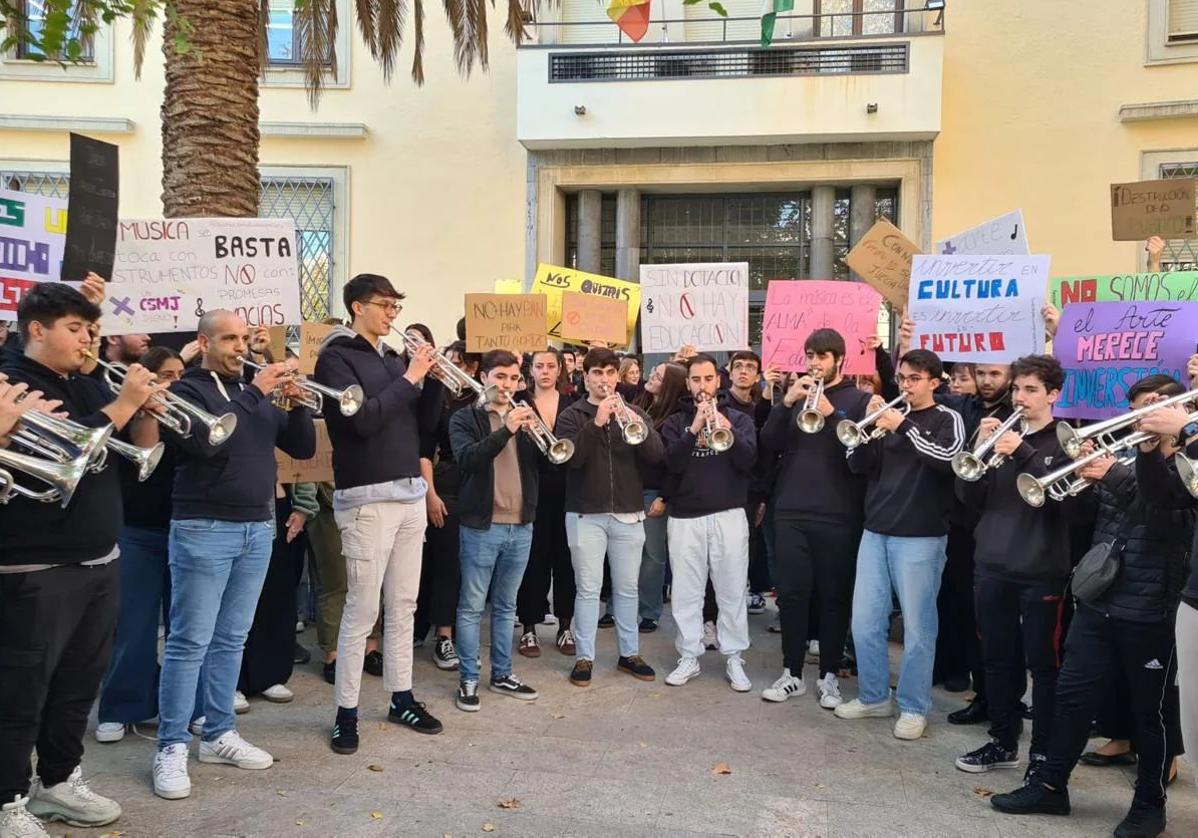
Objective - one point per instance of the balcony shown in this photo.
(707, 81)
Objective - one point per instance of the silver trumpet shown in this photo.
(631, 426)
(348, 400)
(1063, 483)
(810, 420)
(62, 478)
(63, 442)
(718, 439)
(1104, 434)
(971, 465)
(851, 434)
(556, 450)
(1187, 470)
(455, 380)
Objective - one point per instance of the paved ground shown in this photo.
(620, 758)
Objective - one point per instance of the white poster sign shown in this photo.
(33, 233)
(705, 305)
(984, 309)
(168, 272)
(1002, 236)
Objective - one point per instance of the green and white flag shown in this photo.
(769, 12)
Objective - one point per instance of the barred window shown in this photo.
(1180, 254)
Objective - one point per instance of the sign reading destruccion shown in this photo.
(796, 308)
(1153, 208)
(32, 237)
(705, 305)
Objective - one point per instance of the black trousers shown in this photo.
(1101, 651)
(270, 646)
(548, 561)
(1006, 612)
(56, 630)
(440, 573)
(759, 566)
(814, 554)
(958, 650)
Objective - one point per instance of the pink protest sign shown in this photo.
(796, 308)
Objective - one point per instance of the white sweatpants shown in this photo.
(715, 545)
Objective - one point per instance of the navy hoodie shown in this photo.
(234, 481)
(701, 481)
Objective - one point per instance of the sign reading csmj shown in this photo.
(705, 305)
(1179, 286)
(984, 309)
(1002, 236)
(796, 308)
(515, 322)
(32, 240)
(553, 281)
(1153, 208)
(1107, 347)
(168, 272)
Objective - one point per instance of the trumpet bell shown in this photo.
(1070, 439)
(635, 433)
(721, 440)
(811, 421)
(1187, 470)
(351, 400)
(146, 459)
(220, 428)
(968, 467)
(62, 477)
(1031, 489)
(560, 451)
(848, 433)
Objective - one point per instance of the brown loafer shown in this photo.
(529, 645)
(565, 643)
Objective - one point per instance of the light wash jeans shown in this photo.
(492, 559)
(590, 538)
(654, 556)
(217, 570)
(912, 566)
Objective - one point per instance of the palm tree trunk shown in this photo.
(210, 110)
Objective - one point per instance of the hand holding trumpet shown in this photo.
(1005, 445)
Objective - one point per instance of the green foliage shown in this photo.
(716, 7)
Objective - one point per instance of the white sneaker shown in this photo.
(17, 822)
(711, 641)
(813, 651)
(857, 709)
(196, 728)
(550, 620)
(734, 671)
(910, 726)
(72, 802)
(784, 687)
(240, 704)
(110, 731)
(686, 669)
(170, 773)
(231, 749)
(279, 694)
(829, 692)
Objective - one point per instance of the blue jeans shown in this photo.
(492, 559)
(130, 688)
(217, 570)
(913, 566)
(655, 555)
(590, 538)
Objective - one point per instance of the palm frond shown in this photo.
(418, 45)
(455, 16)
(315, 24)
(142, 14)
(367, 23)
(263, 36)
(389, 34)
(514, 28)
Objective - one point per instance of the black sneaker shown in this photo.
(373, 664)
(988, 757)
(512, 686)
(580, 676)
(345, 734)
(636, 667)
(974, 713)
(1036, 799)
(647, 626)
(607, 621)
(467, 699)
(445, 656)
(1144, 820)
(300, 655)
(329, 670)
(415, 717)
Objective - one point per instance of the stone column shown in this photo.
(628, 234)
(823, 204)
(862, 211)
(590, 229)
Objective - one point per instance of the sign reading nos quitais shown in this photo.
(553, 281)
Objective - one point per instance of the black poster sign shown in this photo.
(91, 209)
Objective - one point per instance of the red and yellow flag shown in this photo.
(632, 16)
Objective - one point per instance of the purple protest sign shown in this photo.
(1107, 347)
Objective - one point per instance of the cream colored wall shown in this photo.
(1031, 101)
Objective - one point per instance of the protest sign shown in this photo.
(32, 238)
(318, 469)
(1107, 347)
(1162, 208)
(1179, 286)
(509, 286)
(515, 322)
(883, 259)
(587, 318)
(984, 309)
(796, 308)
(705, 305)
(92, 209)
(1002, 236)
(311, 336)
(168, 272)
(552, 281)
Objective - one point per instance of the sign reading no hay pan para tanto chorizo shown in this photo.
(702, 304)
(32, 237)
(1162, 208)
(93, 207)
(552, 281)
(169, 272)
(796, 308)
(1178, 286)
(515, 322)
(883, 259)
(1005, 235)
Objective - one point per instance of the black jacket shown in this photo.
(603, 475)
(552, 487)
(475, 447)
(702, 482)
(435, 445)
(234, 481)
(32, 532)
(1161, 488)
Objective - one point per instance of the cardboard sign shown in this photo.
(1162, 208)
(1002, 236)
(515, 322)
(796, 308)
(32, 238)
(509, 286)
(168, 272)
(552, 281)
(705, 305)
(1181, 286)
(883, 259)
(312, 335)
(319, 469)
(984, 309)
(92, 209)
(1105, 348)
(586, 318)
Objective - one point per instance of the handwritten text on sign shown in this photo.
(978, 308)
(318, 469)
(883, 259)
(704, 305)
(1179, 286)
(1105, 348)
(1002, 236)
(587, 318)
(515, 322)
(32, 237)
(1153, 208)
(169, 272)
(796, 308)
(552, 281)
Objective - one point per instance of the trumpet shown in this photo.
(313, 393)
(971, 465)
(62, 478)
(718, 439)
(556, 450)
(1063, 483)
(631, 427)
(810, 420)
(455, 380)
(75, 441)
(1187, 470)
(1103, 433)
(851, 434)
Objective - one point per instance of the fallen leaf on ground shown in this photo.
(488, 827)
(281, 793)
(113, 835)
(721, 768)
(983, 792)
(373, 767)
(556, 716)
(299, 823)
(378, 816)
(509, 803)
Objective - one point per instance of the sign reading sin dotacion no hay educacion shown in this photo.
(32, 238)
(796, 308)
(515, 322)
(1153, 208)
(705, 305)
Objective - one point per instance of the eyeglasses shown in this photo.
(911, 379)
(390, 306)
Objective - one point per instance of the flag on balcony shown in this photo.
(632, 16)
(769, 13)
